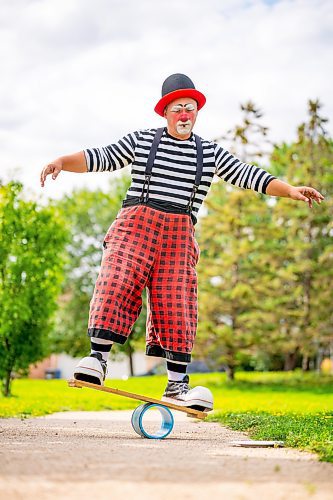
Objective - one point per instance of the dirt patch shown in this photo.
(81, 455)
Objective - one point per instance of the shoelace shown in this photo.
(104, 366)
(182, 387)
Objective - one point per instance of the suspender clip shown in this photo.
(195, 189)
(145, 196)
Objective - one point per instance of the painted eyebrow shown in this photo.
(185, 104)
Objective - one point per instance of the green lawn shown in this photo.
(294, 407)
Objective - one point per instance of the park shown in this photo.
(270, 383)
(292, 406)
(185, 279)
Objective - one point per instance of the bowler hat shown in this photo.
(175, 86)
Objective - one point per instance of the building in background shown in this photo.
(62, 366)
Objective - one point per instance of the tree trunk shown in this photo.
(290, 361)
(130, 360)
(230, 371)
(305, 363)
(6, 383)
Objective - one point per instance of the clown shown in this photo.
(151, 244)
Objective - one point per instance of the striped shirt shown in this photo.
(174, 168)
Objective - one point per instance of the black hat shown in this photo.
(175, 86)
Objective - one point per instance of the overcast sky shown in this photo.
(81, 73)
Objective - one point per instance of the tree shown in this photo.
(305, 252)
(266, 268)
(250, 138)
(89, 215)
(32, 239)
(231, 283)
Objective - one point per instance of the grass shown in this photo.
(293, 407)
(306, 432)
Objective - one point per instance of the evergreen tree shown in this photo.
(304, 312)
(266, 268)
(232, 316)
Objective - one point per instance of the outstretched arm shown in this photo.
(302, 193)
(71, 163)
(103, 159)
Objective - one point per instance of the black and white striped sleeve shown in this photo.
(240, 174)
(112, 157)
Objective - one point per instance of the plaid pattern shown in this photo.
(149, 248)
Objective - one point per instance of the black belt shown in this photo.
(163, 206)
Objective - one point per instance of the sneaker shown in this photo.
(91, 369)
(180, 393)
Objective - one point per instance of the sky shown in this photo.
(83, 73)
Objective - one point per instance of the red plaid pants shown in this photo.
(148, 248)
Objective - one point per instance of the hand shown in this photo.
(305, 193)
(53, 168)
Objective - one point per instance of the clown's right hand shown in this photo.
(53, 169)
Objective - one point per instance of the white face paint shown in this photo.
(184, 128)
(181, 116)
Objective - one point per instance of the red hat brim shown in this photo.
(176, 94)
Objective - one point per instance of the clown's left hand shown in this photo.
(305, 193)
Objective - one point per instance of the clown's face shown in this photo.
(181, 115)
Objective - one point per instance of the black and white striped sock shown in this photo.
(102, 346)
(176, 371)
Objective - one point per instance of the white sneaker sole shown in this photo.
(91, 372)
(207, 405)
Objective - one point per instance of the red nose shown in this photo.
(183, 118)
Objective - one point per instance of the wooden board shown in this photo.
(190, 411)
(258, 444)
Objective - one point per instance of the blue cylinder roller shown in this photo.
(166, 423)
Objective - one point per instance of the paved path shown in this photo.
(97, 456)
